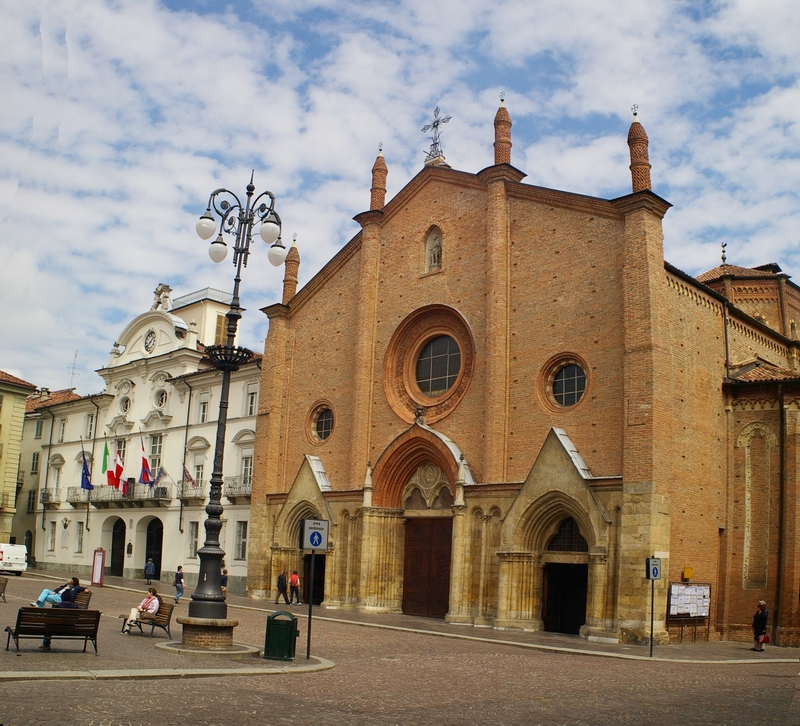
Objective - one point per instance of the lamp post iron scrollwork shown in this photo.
(238, 220)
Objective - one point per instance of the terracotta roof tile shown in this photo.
(38, 401)
(8, 378)
(765, 373)
(733, 271)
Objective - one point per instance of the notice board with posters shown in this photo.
(689, 599)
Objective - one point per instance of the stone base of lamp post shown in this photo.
(208, 633)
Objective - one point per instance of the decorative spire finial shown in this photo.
(724, 258)
(436, 149)
(640, 158)
(502, 98)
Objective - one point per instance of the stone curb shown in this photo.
(516, 644)
(322, 664)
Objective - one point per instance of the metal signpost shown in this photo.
(653, 574)
(314, 537)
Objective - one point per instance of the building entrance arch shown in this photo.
(117, 559)
(153, 544)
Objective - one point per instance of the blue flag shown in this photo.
(86, 477)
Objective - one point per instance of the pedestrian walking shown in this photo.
(294, 588)
(282, 588)
(223, 582)
(178, 584)
(149, 571)
(760, 627)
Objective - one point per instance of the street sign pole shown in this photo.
(315, 537)
(653, 568)
(652, 611)
(310, 591)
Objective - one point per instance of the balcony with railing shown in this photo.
(238, 487)
(77, 495)
(137, 495)
(50, 497)
(193, 491)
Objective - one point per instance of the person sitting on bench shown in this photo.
(64, 594)
(146, 610)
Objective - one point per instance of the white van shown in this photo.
(13, 558)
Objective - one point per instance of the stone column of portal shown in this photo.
(267, 463)
(460, 567)
(483, 596)
(597, 626)
(645, 523)
(518, 602)
(382, 546)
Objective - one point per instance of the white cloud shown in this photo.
(121, 118)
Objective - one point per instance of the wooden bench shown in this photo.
(82, 599)
(160, 620)
(66, 624)
(3, 583)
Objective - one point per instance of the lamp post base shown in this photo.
(207, 633)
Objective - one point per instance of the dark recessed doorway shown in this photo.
(564, 597)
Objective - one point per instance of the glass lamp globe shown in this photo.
(270, 231)
(218, 250)
(277, 254)
(206, 226)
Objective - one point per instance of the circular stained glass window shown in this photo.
(569, 385)
(323, 425)
(438, 366)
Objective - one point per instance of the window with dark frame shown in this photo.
(569, 385)
(438, 366)
(568, 538)
(323, 426)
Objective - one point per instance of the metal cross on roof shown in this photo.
(436, 149)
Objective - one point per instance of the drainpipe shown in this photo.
(727, 343)
(185, 441)
(781, 515)
(47, 468)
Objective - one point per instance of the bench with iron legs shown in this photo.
(55, 623)
(160, 619)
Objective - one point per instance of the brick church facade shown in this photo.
(504, 400)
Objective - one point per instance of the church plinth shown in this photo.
(208, 633)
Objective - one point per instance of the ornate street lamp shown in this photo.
(237, 220)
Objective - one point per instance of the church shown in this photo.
(504, 400)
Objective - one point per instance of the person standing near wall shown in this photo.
(149, 571)
(178, 584)
(294, 588)
(282, 588)
(760, 627)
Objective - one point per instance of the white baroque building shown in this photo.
(161, 395)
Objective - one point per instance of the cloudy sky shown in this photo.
(119, 117)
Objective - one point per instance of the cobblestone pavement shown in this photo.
(391, 676)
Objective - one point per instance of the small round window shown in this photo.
(569, 385)
(323, 423)
(125, 405)
(161, 398)
(438, 366)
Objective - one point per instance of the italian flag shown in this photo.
(112, 474)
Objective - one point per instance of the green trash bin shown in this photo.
(281, 638)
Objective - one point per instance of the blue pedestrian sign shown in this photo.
(653, 568)
(315, 534)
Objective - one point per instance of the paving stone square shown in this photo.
(387, 670)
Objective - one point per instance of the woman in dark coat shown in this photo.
(759, 627)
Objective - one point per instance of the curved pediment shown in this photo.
(153, 333)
